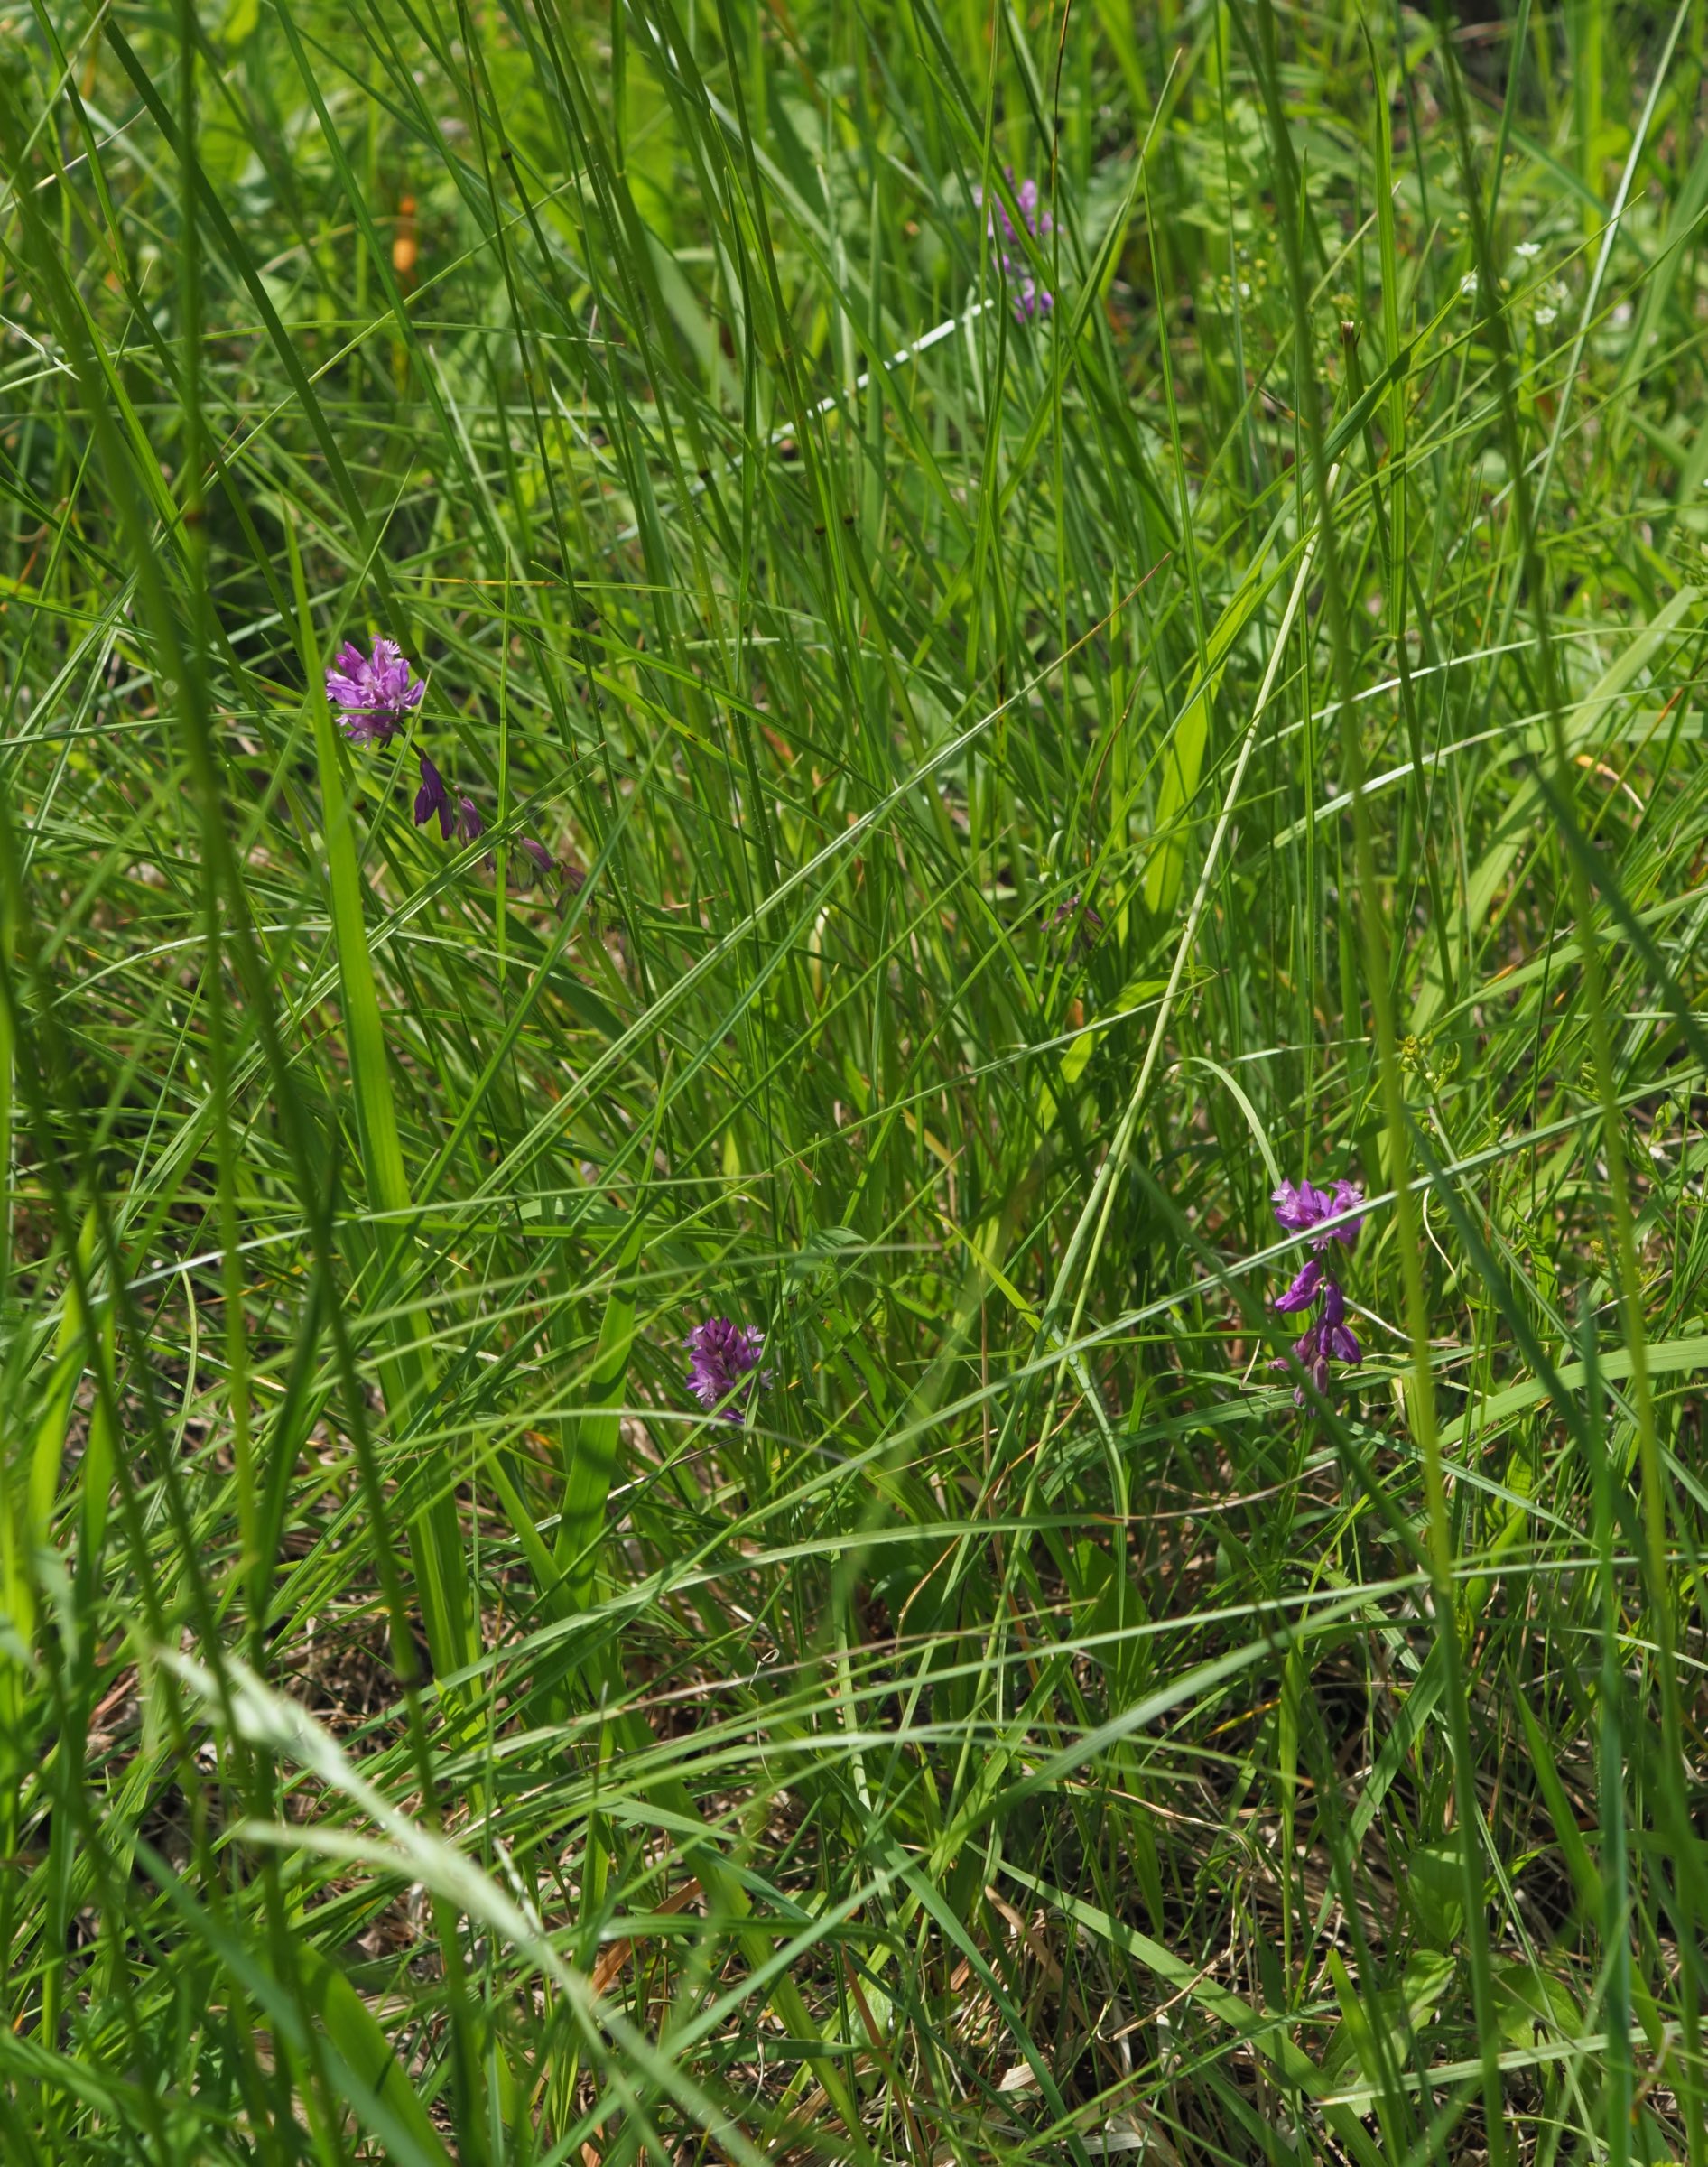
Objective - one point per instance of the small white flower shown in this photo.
(1544, 315)
(1468, 285)
(1527, 249)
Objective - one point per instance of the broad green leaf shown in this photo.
(354, 2030)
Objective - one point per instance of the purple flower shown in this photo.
(544, 864)
(1333, 1331)
(1304, 1288)
(471, 827)
(376, 692)
(1299, 1206)
(431, 798)
(1307, 1351)
(1030, 299)
(1329, 1337)
(723, 1357)
(1302, 1207)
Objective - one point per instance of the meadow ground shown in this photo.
(1016, 629)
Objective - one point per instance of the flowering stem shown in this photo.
(1421, 1395)
(1101, 1201)
(406, 1368)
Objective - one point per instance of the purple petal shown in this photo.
(471, 827)
(389, 671)
(1342, 1345)
(430, 799)
(1348, 1197)
(1304, 1290)
(364, 729)
(1299, 1206)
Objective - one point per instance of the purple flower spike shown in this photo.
(376, 692)
(1302, 1209)
(722, 1358)
(431, 799)
(1029, 298)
